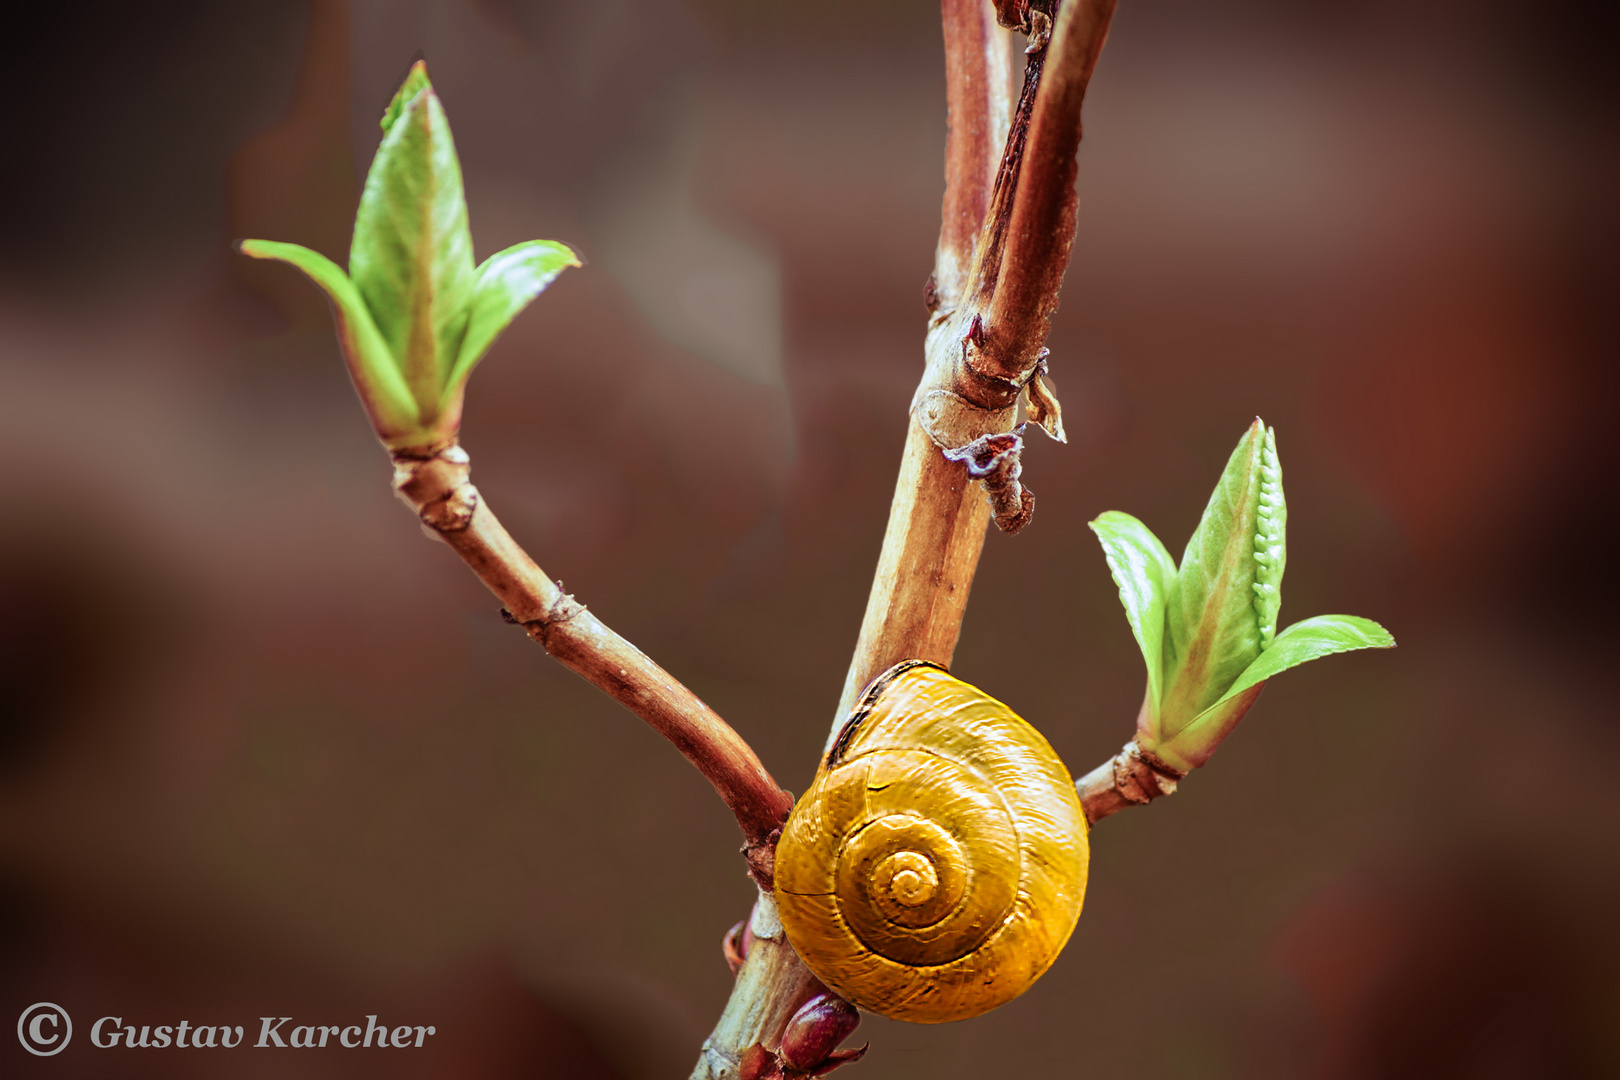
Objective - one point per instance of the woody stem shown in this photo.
(436, 487)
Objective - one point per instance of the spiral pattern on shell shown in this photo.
(937, 864)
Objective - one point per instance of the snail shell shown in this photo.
(937, 864)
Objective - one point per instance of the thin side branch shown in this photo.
(1132, 777)
(451, 509)
(1040, 230)
(978, 110)
(990, 244)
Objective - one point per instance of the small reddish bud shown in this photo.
(735, 945)
(975, 332)
(816, 1030)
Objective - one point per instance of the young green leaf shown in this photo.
(1213, 627)
(1208, 630)
(414, 315)
(412, 253)
(1309, 639)
(1306, 640)
(506, 282)
(376, 377)
(1143, 571)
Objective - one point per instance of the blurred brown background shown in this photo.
(265, 749)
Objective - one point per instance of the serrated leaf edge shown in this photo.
(416, 80)
(1270, 539)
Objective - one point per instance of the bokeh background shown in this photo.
(267, 750)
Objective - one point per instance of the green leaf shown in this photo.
(412, 254)
(506, 282)
(376, 376)
(1143, 571)
(1212, 627)
(416, 80)
(1306, 640)
(1309, 639)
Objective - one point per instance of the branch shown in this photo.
(937, 520)
(771, 985)
(437, 488)
(907, 610)
(959, 445)
(930, 553)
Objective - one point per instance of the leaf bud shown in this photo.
(414, 314)
(1208, 628)
(816, 1030)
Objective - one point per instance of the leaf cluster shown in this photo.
(1208, 628)
(414, 314)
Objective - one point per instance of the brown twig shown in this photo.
(930, 552)
(990, 243)
(1132, 777)
(937, 520)
(978, 77)
(437, 488)
(1040, 229)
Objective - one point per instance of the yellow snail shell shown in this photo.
(937, 864)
